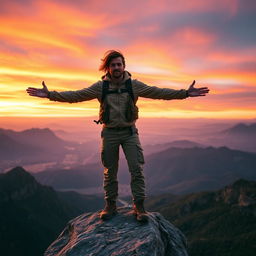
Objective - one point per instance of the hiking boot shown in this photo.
(109, 210)
(139, 211)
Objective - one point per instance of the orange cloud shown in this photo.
(62, 42)
(193, 37)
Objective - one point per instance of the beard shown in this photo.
(117, 74)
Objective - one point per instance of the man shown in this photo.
(118, 94)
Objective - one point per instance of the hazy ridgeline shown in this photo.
(183, 158)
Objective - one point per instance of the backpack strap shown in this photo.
(105, 87)
(128, 86)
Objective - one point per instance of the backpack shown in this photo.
(131, 111)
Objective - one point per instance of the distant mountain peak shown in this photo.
(17, 184)
(39, 129)
(242, 128)
(20, 172)
(44, 131)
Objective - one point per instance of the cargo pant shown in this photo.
(128, 138)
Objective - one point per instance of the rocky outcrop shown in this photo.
(240, 193)
(88, 235)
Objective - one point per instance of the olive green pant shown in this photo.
(129, 140)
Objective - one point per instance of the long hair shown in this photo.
(108, 57)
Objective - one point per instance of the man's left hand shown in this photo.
(194, 92)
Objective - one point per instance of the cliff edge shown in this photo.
(88, 235)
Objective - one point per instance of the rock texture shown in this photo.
(88, 235)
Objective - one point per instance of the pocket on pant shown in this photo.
(140, 155)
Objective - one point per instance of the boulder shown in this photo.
(123, 235)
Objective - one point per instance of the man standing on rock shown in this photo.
(118, 93)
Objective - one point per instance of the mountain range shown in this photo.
(43, 138)
(174, 170)
(35, 146)
(32, 215)
(242, 129)
(30, 146)
(240, 136)
(181, 166)
(179, 170)
(218, 222)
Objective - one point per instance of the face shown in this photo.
(116, 68)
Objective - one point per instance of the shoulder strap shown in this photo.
(128, 86)
(105, 87)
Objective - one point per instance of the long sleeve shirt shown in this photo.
(118, 102)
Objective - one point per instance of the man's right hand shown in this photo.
(42, 93)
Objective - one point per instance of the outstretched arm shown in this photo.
(153, 92)
(89, 93)
(194, 92)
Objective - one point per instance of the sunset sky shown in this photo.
(166, 44)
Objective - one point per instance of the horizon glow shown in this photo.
(166, 44)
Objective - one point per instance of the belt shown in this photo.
(132, 129)
(118, 128)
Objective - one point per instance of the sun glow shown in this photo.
(165, 45)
